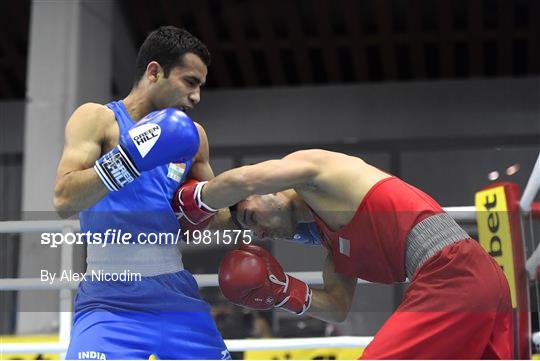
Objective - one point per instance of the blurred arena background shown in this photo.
(443, 93)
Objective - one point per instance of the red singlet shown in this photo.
(457, 305)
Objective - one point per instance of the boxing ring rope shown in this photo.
(462, 214)
(532, 187)
(232, 345)
(203, 280)
(532, 265)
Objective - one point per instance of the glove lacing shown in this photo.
(307, 300)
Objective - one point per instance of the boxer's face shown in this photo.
(269, 216)
(182, 88)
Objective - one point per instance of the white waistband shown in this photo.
(148, 260)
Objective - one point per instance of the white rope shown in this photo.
(34, 347)
(232, 345)
(27, 284)
(533, 185)
(532, 264)
(204, 280)
(465, 213)
(298, 343)
(462, 213)
(38, 226)
(534, 261)
(536, 339)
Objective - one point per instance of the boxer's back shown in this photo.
(340, 187)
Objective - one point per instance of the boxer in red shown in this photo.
(375, 227)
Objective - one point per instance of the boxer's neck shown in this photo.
(301, 211)
(137, 103)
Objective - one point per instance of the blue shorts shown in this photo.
(161, 315)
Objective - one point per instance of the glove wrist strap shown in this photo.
(298, 295)
(200, 203)
(192, 207)
(115, 169)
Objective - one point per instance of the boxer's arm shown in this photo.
(293, 171)
(77, 184)
(333, 302)
(201, 169)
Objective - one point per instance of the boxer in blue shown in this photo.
(122, 163)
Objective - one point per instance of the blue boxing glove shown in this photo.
(161, 137)
(307, 233)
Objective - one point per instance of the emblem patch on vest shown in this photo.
(345, 246)
(176, 171)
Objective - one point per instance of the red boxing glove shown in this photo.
(189, 208)
(252, 277)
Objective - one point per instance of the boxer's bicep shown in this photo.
(341, 288)
(201, 171)
(271, 176)
(333, 302)
(77, 184)
(277, 175)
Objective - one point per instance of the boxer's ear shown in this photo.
(152, 71)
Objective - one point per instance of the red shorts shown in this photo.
(456, 307)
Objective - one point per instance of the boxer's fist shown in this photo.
(161, 137)
(252, 277)
(190, 210)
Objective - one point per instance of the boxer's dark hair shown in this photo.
(234, 212)
(167, 45)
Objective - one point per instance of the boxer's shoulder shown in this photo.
(203, 138)
(203, 154)
(200, 128)
(92, 116)
(94, 111)
(314, 160)
(310, 154)
(326, 159)
(92, 122)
